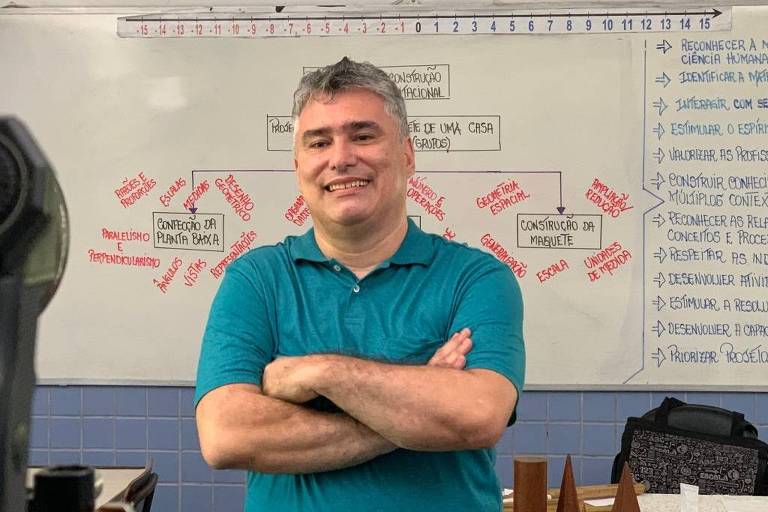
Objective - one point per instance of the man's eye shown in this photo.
(364, 136)
(318, 144)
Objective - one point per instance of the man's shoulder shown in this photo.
(267, 257)
(461, 252)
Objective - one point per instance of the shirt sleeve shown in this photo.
(238, 341)
(491, 304)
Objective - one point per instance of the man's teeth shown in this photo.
(350, 184)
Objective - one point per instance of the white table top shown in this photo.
(672, 503)
(113, 481)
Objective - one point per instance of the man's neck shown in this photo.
(361, 250)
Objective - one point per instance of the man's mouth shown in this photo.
(349, 184)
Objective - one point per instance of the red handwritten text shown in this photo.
(518, 267)
(607, 199)
(503, 196)
(134, 189)
(193, 272)
(298, 213)
(423, 195)
(168, 275)
(240, 201)
(606, 261)
(237, 248)
(196, 194)
(165, 199)
(552, 270)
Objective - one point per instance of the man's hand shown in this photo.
(287, 378)
(453, 353)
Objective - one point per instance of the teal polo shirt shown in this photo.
(289, 299)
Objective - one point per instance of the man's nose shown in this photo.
(343, 155)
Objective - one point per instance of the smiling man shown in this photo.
(365, 364)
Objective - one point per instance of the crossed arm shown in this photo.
(438, 406)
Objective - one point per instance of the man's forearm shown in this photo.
(419, 407)
(241, 428)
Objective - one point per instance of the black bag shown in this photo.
(701, 445)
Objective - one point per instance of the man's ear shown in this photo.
(410, 156)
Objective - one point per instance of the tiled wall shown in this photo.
(105, 426)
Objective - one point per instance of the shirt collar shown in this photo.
(416, 248)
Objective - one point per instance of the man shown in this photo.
(415, 341)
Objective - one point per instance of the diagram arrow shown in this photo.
(660, 105)
(658, 356)
(659, 303)
(659, 155)
(661, 254)
(659, 130)
(193, 209)
(664, 46)
(659, 280)
(658, 328)
(658, 219)
(658, 181)
(663, 79)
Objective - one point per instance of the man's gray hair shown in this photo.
(348, 74)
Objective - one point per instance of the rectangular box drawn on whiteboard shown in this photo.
(545, 231)
(190, 232)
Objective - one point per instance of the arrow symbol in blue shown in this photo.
(659, 303)
(659, 155)
(660, 105)
(658, 181)
(661, 255)
(659, 130)
(664, 46)
(659, 357)
(659, 280)
(658, 219)
(663, 79)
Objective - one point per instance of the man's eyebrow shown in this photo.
(350, 127)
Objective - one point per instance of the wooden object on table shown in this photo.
(530, 484)
(568, 501)
(584, 492)
(626, 499)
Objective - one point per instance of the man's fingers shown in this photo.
(452, 353)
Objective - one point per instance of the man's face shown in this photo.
(351, 162)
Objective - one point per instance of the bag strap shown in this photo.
(661, 418)
(662, 412)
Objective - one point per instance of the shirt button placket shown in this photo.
(356, 288)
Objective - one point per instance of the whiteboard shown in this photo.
(654, 275)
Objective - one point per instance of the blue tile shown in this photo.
(564, 406)
(228, 498)
(163, 434)
(189, 439)
(762, 433)
(188, 402)
(66, 401)
(194, 468)
(98, 433)
(599, 406)
(506, 445)
(38, 458)
(505, 471)
(196, 498)
(531, 438)
(564, 438)
(98, 401)
(599, 439)
(100, 458)
(65, 432)
(166, 466)
(596, 470)
(65, 457)
(229, 476)
(740, 402)
(761, 408)
(532, 406)
(131, 458)
(166, 498)
(40, 401)
(131, 401)
(163, 402)
(38, 437)
(703, 398)
(130, 433)
(632, 404)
